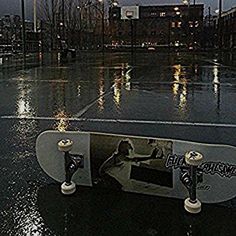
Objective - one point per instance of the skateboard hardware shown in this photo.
(71, 165)
(190, 176)
(167, 176)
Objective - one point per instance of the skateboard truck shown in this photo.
(191, 175)
(72, 163)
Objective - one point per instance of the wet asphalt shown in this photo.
(176, 95)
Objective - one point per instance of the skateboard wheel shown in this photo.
(193, 158)
(68, 189)
(65, 145)
(191, 207)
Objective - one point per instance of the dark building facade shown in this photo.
(165, 25)
(228, 29)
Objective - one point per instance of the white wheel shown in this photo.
(193, 208)
(68, 189)
(193, 158)
(65, 145)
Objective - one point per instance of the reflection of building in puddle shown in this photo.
(24, 108)
(121, 79)
(24, 128)
(216, 84)
(58, 57)
(101, 99)
(126, 80)
(24, 210)
(183, 98)
(179, 87)
(117, 92)
(58, 96)
(101, 90)
(126, 76)
(59, 102)
(78, 90)
(62, 122)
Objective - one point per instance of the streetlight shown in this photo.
(63, 19)
(220, 25)
(23, 30)
(186, 2)
(103, 26)
(35, 15)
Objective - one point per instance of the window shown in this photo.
(173, 24)
(190, 24)
(162, 14)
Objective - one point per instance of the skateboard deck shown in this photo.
(140, 164)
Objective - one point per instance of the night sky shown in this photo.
(13, 6)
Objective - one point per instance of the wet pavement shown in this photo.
(188, 97)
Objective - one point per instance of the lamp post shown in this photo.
(35, 15)
(187, 2)
(63, 18)
(131, 32)
(103, 25)
(220, 25)
(23, 30)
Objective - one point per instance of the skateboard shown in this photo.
(146, 165)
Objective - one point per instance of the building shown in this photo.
(11, 34)
(209, 36)
(165, 25)
(10, 31)
(228, 29)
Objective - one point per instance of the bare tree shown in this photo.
(78, 22)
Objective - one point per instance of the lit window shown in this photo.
(173, 24)
(179, 24)
(162, 14)
(190, 24)
(178, 13)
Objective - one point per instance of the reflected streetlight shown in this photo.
(216, 85)
(101, 90)
(180, 87)
(61, 122)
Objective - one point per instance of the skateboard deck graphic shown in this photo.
(140, 164)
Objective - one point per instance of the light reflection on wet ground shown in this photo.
(161, 88)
